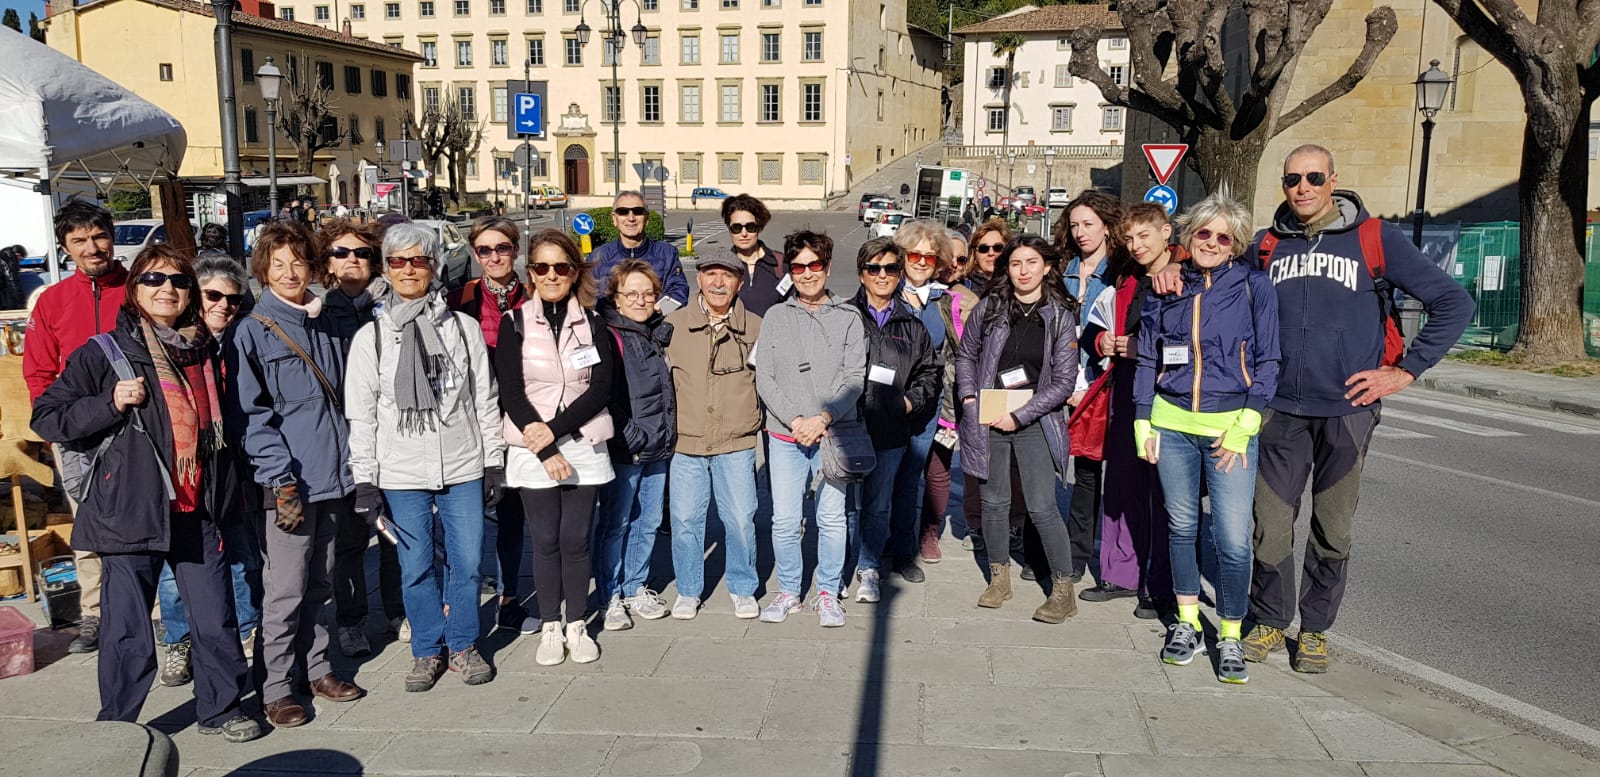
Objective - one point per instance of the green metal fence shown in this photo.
(1488, 263)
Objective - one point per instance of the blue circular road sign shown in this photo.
(583, 223)
(1163, 195)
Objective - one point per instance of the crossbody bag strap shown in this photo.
(327, 387)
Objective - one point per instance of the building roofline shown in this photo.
(276, 26)
(1049, 19)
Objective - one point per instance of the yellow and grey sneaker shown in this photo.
(1230, 663)
(1312, 656)
(1261, 640)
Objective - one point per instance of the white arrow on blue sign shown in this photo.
(1165, 196)
(583, 223)
(528, 113)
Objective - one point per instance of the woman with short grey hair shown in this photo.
(409, 234)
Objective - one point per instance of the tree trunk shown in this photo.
(1552, 198)
(1222, 161)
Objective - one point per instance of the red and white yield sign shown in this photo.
(1164, 158)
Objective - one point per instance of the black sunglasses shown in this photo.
(1291, 180)
(734, 229)
(342, 252)
(156, 280)
(640, 211)
(892, 268)
(989, 248)
(235, 300)
(799, 268)
(503, 249)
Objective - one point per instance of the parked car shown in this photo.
(876, 208)
(1058, 197)
(889, 223)
(1025, 193)
(549, 197)
(706, 193)
(861, 209)
(130, 237)
(458, 265)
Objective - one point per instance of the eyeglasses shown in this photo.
(1291, 180)
(156, 280)
(734, 229)
(640, 211)
(799, 268)
(927, 259)
(344, 252)
(1223, 239)
(419, 262)
(632, 296)
(562, 269)
(214, 296)
(892, 268)
(989, 248)
(503, 249)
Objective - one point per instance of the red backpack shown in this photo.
(1370, 233)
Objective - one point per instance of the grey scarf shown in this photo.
(423, 360)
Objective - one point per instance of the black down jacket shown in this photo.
(901, 345)
(643, 406)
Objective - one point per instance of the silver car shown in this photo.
(457, 265)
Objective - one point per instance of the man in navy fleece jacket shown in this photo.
(1321, 420)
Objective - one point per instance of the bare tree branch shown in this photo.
(1381, 28)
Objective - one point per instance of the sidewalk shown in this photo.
(902, 170)
(1518, 387)
(923, 683)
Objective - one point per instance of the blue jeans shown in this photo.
(731, 478)
(792, 468)
(878, 503)
(1184, 460)
(905, 523)
(625, 534)
(243, 553)
(461, 515)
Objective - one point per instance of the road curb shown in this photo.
(1467, 388)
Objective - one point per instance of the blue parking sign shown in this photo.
(528, 111)
(1163, 195)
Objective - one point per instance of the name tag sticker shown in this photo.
(1174, 354)
(785, 284)
(585, 357)
(881, 373)
(1014, 377)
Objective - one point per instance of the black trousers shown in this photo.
(351, 537)
(127, 663)
(1084, 522)
(561, 520)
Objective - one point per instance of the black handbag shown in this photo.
(847, 453)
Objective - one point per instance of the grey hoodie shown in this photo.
(807, 362)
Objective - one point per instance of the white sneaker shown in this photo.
(745, 606)
(830, 613)
(779, 609)
(646, 604)
(402, 628)
(353, 640)
(580, 644)
(685, 608)
(868, 590)
(552, 646)
(617, 616)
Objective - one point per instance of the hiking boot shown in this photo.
(552, 645)
(646, 604)
(867, 588)
(175, 671)
(1311, 655)
(830, 613)
(88, 639)
(1183, 642)
(745, 607)
(424, 673)
(1230, 663)
(474, 670)
(779, 609)
(353, 640)
(999, 589)
(1105, 592)
(580, 645)
(616, 618)
(929, 550)
(686, 607)
(237, 729)
(1060, 605)
(1261, 640)
(908, 571)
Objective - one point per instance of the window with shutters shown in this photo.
(430, 98)
(463, 53)
(811, 170)
(352, 79)
(499, 52)
(730, 48)
(1060, 118)
(730, 103)
(689, 169)
(378, 133)
(380, 83)
(770, 169)
(252, 130)
(689, 103)
(355, 130)
(1111, 119)
(430, 53)
(497, 105)
(652, 50)
(728, 169)
(689, 46)
(402, 86)
(1063, 77)
(247, 66)
(325, 75)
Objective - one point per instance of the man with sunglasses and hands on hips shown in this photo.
(629, 215)
(1319, 253)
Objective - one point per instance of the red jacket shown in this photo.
(65, 317)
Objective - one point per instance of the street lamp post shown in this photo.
(405, 170)
(232, 183)
(1432, 87)
(269, 78)
(613, 35)
(1049, 162)
(379, 149)
(1011, 172)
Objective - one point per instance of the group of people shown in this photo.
(242, 453)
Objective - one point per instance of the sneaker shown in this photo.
(237, 729)
(685, 608)
(474, 670)
(1230, 663)
(1261, 641)
(647, 604)
(88, 639)
(745, 606)
(175, 671)
(1146, 609)
(1183, 642)
(1311, 656)
(616, 618)
(1028, 573)
(580, 645)
(353, 640)
(1105, 592)
(929, 550)
(908, 571)
(402, 629)
(779, 609)
(830, 613)
(867, 590)
(424, 673)
(552, 645)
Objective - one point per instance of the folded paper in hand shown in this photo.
(993, 403)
